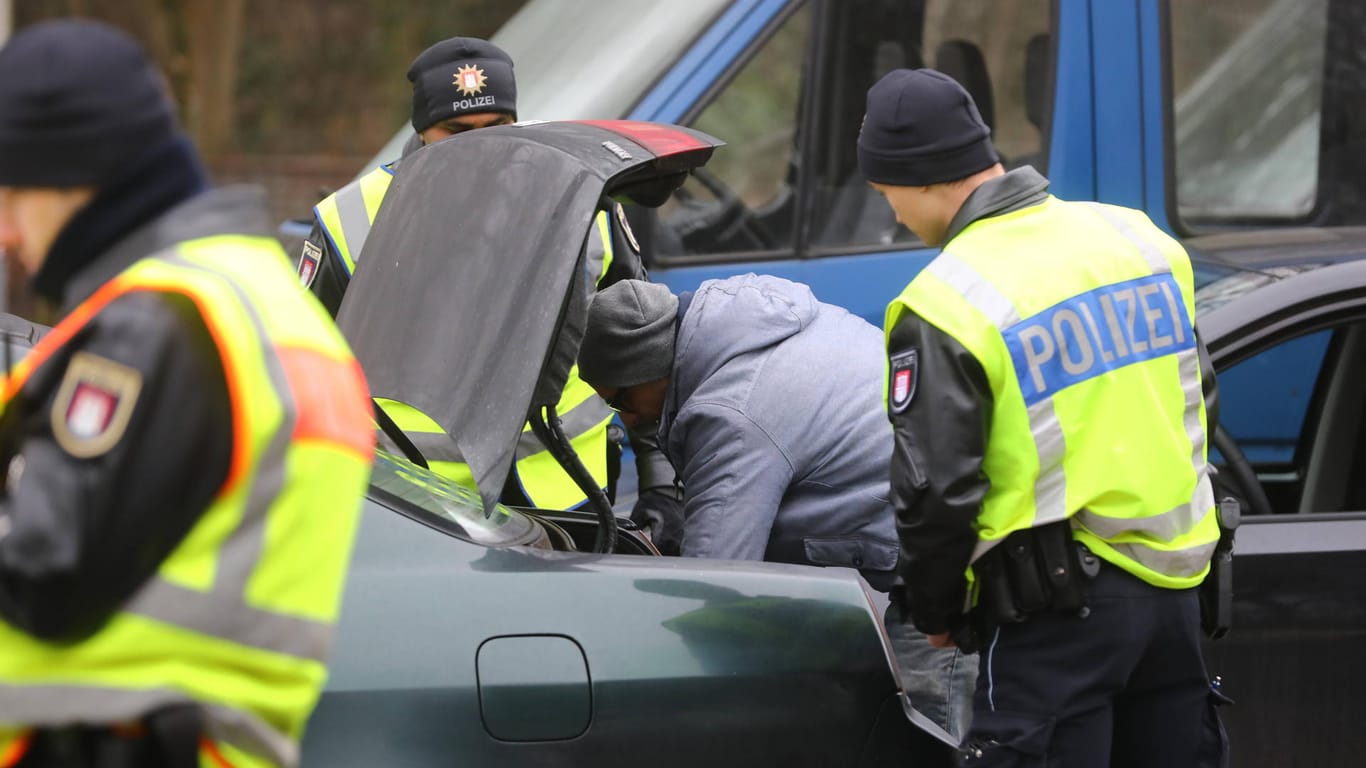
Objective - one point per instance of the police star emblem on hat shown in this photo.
(470, 80)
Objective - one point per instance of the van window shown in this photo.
(788, 183)
(744, 198)
(1000, 51)
(1266, 113)
(1247, 82)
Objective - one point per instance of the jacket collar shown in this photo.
(1017, 189)
(230, 210)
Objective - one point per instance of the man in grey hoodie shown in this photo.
(770, 407)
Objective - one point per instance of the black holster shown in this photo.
(166, 738)
(1033, 571)
(1216, 591)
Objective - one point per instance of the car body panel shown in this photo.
(1293, 656)
(687, 661)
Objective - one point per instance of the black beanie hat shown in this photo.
(459, 76)
(922, 128)
(79, 100)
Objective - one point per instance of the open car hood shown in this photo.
(469, 298)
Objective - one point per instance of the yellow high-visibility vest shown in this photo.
(347, 214)
(239, 616)
(1081, 316)
(346, 217)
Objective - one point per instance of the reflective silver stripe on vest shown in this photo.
(228, 617)
(580, 420)
(1167, 526)
(975, 290)
(1183, 518)
(41, 705)
(1180, 563)
(595, 252)
(224, 613)
(1157, 261)
(1189, 363)
(438, 446)
(1050, 489)
(354, 218)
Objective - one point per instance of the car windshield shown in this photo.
(589, 59)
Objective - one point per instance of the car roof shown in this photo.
(1229, 265)
(474, 265)
(1266, 277)
(1259, 249)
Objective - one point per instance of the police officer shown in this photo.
(459, 85)
(1045, 390)
(185, 451)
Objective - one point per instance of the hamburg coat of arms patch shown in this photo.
(93, 404)
(904, 373)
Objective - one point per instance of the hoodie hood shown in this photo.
(726, 321)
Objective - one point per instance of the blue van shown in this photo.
(1125, 101)
(1238, 124)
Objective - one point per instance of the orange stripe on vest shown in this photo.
(326, 391)
(210, 750)
(16, 750)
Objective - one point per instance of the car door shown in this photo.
(1292, 367)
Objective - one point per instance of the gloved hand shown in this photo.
(659, 506)
(660, 512)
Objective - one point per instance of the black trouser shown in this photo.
(1123, 686)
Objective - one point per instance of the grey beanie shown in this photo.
(629, 338)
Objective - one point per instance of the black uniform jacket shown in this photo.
(79, 533)
(941, 438)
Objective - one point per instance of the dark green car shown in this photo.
(474, 634)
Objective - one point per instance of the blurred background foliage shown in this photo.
(292, 94)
